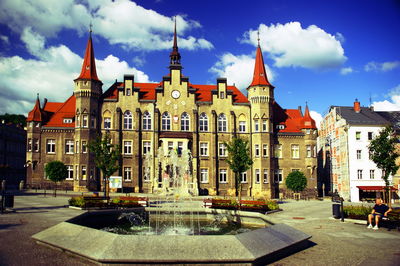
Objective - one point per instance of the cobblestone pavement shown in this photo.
(332, 242)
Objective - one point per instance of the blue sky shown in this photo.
(321, 52)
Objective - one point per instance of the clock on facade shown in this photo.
(176, 94)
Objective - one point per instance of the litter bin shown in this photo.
(9, 201)
(336, 210)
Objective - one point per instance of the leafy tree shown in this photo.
(239, 160)
(56, 171)
(296, 181)
(14, 119)
(383, 153)
(106, 157)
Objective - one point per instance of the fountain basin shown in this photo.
(257, 246)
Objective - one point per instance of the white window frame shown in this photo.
(128, 147)
(84, 146)
(166, 121)
(223, 176)
(146, 147)
(242, 126)
(69, 146)
(278, 176)
(243, 177)
(70, 171)
(127, 173)
(222, 123)
(256, 125)
(256, 150)
(203, 175)
(107, 123)
(359, 174)
(203, 148)
(308, 151)
(295, 150)
(146, 121)
(265, 176)
(257, 176)
(185, 122)
(358, 154)
(128, 120)
(265, 150)
(264, 125)
(85, 121)
(372, 174)
(222, 150)
(51, 146)
(203, 122)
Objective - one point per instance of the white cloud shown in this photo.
(317, 117)
(381, 67)
(238, 69)
(346, 70)
(340, 37)
(389, 105)
(120, 22)
(4, 39)
(51, 74)
(291, 45)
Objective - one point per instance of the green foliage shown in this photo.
(296, 181)
(14, 119)
(359, 212)
(56, 171)
(272, 205)
(76, 201)
(383, 152)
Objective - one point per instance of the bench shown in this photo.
(94, 199)
(144, 201)
(392, 220)
(250, 204)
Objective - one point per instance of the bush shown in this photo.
(296, 181)
(357, 212)
(76, 201)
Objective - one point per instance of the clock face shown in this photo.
(176, 94)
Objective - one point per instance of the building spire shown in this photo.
(89, 65)
(175, 57)
(260, 75)
(308, 122)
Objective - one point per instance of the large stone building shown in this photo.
(173, 114)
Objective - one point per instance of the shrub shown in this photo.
(296, 181)
(76, 201)
(357, 212)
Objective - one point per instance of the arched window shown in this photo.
(107, 119)
(146, 121)
(166, 121)
(203, 122)
(185, 121)
(222, 123)
(128, 120)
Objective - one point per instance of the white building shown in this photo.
(345, 134)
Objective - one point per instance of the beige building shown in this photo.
(173, 114)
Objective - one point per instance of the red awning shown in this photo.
(375, 188)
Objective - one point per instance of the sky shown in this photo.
(322, 53)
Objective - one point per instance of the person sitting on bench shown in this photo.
(379, 211)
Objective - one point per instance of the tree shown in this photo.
(106, 157)
(296, 181)
(383, 153)
(13, 119)
(239, 160)
(56, 171)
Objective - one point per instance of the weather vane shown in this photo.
(258, 37)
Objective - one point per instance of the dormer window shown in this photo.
(280, 126)
(67, 120)
(128, 92)
(221, 95)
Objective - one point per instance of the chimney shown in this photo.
(45, 102)
(357, 107)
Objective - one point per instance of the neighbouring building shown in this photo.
(12, 154)
(344, 136)
(173, 114)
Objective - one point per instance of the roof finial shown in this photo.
(37, 95)
(175, 57)
(90, 28)
(258, 37)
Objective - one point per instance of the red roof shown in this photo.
(36, 113)
(375, 188)
(66, 110)
(89, 65)
(308, 122)
(291, 119)
(260, 75)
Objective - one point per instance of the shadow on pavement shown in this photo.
(6, 226)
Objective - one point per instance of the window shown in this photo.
(77, 146)
(36, 145)
(308, 147)
(107, 122)
(308, 131)
(358, 135)
(278, 151)
(29, 148)
(257, 176)
(204, 175)
(70, 171)
(256, 150)
(146, 176)
(185, 122)
(222, 150)
(359, 174)
(264, 125)
(203, 122)
(146, 121)
(278, 176)
(128, 92)
(93, 122)
(83, 172)
(67, 120)
(127, 173)
(265, 176)
(221, 95)
(84, 146)
(128, 120)
(370, 136)
(69, 146)
(295, 151)
(77, 171)
(166, 121)
(242, 126)
(256, 125)
(51, 146)
(128, 147)
(314, 151)
(371, 174)
(84, 121)
(222, 176)
(243, 177)
(170, 145)
(358, 154)
(180, 147)
(265, 150)
(146, 147)
(222, 123)
(203, 149)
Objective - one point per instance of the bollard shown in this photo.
(341, 209)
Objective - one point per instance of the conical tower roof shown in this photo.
(260, 75)
(89, 65)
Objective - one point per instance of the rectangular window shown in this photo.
(222, 150)
(243, 177)
(370, 136)
(221, 95)
(36, 145)
(127, 147)
(69, 146)
(203, 149)
(127, 173)
(308, 147)
(265, 150)
(70, 171)
(76, 171)
(295, 151)
(204, 175)
(358, 154)
(77, 146)
(128, 92)
(29, 148)
(359, 174)
(51, 146)
(83, 172)
(146, 147)
(257, 176)
(256, 125)
(371, 174)
(170, 145)
(358, 135)
(264, 125)
(242, 126)
(84, 146)
(222, 176)
(265, 176)
(107, 122)
(180, 147)
(278, 151)
(278, 176)
(256, 150)
(308, 131)
(84, 121)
